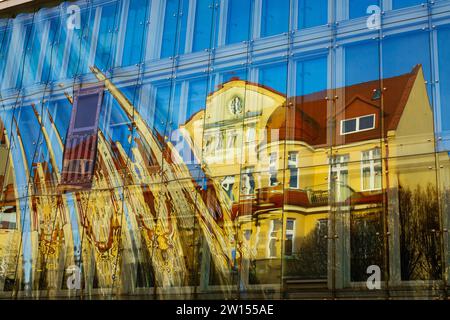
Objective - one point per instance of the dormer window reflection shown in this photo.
(358, 124)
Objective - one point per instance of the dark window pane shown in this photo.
(293, 182)
(86, 111)
(288, 246)
(290, 224)
(349, 126)
(366, 122)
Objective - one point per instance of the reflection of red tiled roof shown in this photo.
(308, 120)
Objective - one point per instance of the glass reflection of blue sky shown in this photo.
(311, 76)
(39, 49)
(362, 62)
(274, 76)
(274, 17)
(239, 21)
(135, 32)
(104, 54)
(444, 75)
(358, 8)
(312, 13)
(397, 4)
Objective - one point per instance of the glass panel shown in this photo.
(54, 53)
(205, 30)
(15, 53)
(5, 39)
(274, 169)
(184, 133)
(361, 62)
(306, 229)
(363, 210)
(174, 34)
(274, 17)
(238, 21)
(79, 47)
(349, 126)
(367, 122)
(413, 198)
(312, 13)
(441, 107)
(410, 74)
(359, 8)
(364, 204)
(107, 35)
(303, 126)
(274, 77)
(444, 84)
(306, 123)
(25, 67)
(9, 207)
(443, 159)
(219, 146)
(80, 149)
(101, 213)
(397, 4)
(27, 74)
(135, 32)
(366, 239)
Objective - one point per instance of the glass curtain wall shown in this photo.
(224, 149)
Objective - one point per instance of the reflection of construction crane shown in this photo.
(179, 186)
(176, 203)
(165, 201)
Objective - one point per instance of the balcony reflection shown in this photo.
(278, 191)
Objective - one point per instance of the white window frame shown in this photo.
(293, 165)
(273, 168)
(357, 124)
(336, 168)
(271, 237)
(370, 163)
(247, 173)
(291, 233)
(250, 134)
(227, 185)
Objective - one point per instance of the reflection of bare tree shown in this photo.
(420, 245)
(310, 261)
(366, 243)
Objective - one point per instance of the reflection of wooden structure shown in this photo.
(7, 195)
(177, 201)
(81, 142)
(139, 210)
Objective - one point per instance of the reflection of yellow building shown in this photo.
(9, 238)
(284, 178)
(285, 164)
